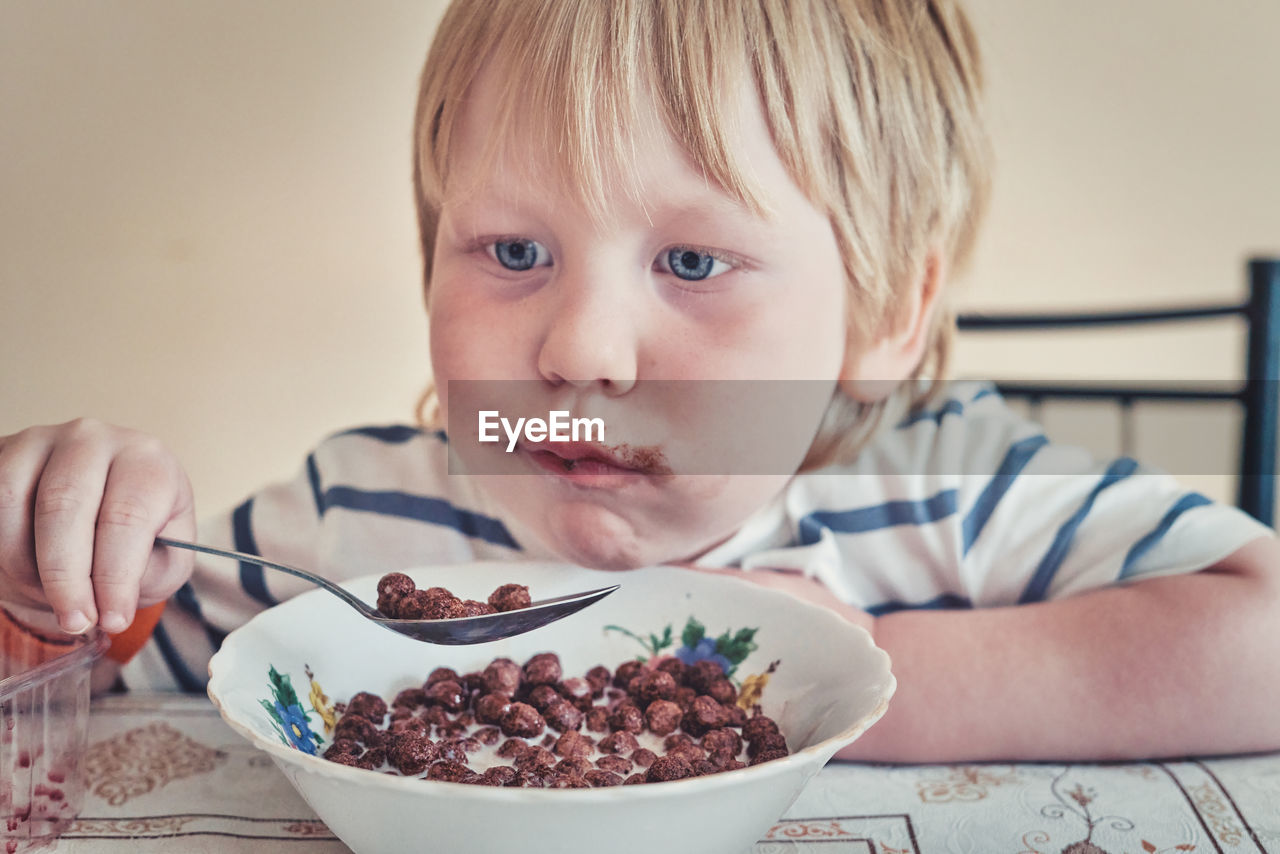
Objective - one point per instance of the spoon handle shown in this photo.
(317, 580)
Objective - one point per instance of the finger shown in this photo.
(141, 497)
(22, 458)
(63, 516)
(169, 568)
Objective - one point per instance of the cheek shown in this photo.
(462, 333)
(803, 337)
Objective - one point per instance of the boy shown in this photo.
(615, 197)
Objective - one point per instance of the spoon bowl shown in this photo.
(453, 632)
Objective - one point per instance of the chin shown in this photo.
(593, 537)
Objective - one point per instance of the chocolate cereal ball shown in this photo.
(510, 597)
(409, 723)
(442, 674)
(758, 726)
(410, 698)
(663, 717)
(767, 744)
(448, 695)
(578, 691)
(768, 755)
(502, 676)
(722, 691)
(491, 707)
(392, 588)
(512, 747)
(675, 667)
(542, 696)
(522, 720)
(543, 669)
(627, 671)
(599, 778)
(700, 676)
(666, 768)
(498, 775)
(619, 742)
(652, 686)
(411, 753)
(643, 756)
(723, 739)
(705, 716)
(599, 677)
(627, 718)
(358, 728)
(411, 606)
(563, 716)
(598, 719)
(615, 763)
(450, 771)
(342, 745)
(367, 705)
(573, 745)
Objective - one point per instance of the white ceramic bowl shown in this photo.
(831, 683)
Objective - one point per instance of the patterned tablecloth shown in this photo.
(167, 775)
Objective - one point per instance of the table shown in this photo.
(167, 775)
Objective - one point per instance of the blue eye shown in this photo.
(520, 255)
(692, 265)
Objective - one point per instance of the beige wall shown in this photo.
(206, 229)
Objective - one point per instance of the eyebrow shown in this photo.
(709, 206)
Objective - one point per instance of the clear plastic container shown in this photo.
(44, 725)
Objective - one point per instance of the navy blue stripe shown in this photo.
(434, 511)
(1038, 586)
(943, 602)
(187, 601)
(863, 519)
(1187, 502)
(313, 475)
(392, 434)
(1015, 460)
(182, 674)
(251, 576)
(951, 407)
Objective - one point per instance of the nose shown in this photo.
(591, 333)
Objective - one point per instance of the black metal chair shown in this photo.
(1258, 395)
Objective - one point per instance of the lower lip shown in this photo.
(588, 472)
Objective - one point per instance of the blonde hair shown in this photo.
(873, 107)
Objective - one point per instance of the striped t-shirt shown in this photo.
(965, 504)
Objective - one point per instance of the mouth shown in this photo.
(585, 460)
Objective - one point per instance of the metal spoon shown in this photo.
(455, 632)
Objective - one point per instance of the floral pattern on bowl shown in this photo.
(291, 721)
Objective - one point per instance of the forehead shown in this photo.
(511, 142)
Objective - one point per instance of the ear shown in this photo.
(872, 372)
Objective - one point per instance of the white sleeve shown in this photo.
(1040, 520)
(968, 504)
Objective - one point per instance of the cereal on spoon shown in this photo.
(400, 599)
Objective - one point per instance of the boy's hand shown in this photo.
(81, 504)
(802, 587)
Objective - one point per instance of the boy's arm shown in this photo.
(1176, 665)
